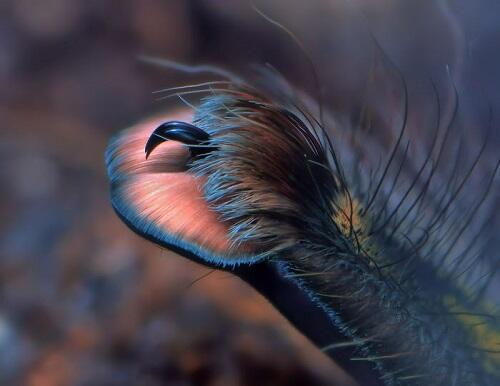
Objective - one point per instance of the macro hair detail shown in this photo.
(387, 253)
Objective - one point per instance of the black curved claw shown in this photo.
(179, 131)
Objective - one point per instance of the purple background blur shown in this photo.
(83, 301)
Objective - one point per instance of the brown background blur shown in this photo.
(83, 301)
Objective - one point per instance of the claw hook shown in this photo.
(179, 131)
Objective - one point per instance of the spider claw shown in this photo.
(178, 131)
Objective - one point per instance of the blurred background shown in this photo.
(84, 301)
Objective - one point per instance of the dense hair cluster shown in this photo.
(269, 173)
